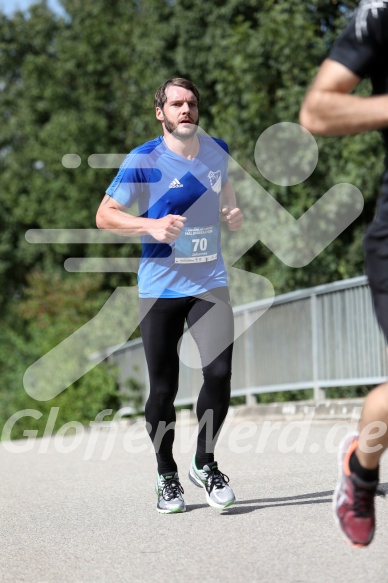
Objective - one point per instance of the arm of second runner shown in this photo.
(329, 109)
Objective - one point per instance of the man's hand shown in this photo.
(168, 228)
(233, 217)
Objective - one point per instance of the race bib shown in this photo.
(197, 244)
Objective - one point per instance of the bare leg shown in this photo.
(373, 439)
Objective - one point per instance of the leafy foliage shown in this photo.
(52, 309)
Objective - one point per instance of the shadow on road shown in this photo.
(241, 506)
(259, 503)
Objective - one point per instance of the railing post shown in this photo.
(319, 392)
(248, 357)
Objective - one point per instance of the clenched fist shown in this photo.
(168, 228)
(233, 217)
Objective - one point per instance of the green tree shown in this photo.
(54, 308)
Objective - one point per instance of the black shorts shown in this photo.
(376, 267)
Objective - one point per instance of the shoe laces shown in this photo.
(216, 479)
(364, 499)
(172, 489)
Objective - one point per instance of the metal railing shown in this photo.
(321, 337)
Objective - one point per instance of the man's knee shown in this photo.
(217, 372)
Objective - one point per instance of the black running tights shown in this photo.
(210, 319)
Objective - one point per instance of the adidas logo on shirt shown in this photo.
(175, 184)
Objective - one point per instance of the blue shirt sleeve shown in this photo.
(135, 174)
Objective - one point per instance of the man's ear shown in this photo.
(159, 114)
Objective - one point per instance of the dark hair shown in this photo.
(160, 95)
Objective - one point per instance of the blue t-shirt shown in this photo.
(163, 183)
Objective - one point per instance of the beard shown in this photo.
(182, 133)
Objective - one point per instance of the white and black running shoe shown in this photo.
(218, 493)
(169, 492)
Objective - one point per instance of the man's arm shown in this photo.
(113, 216)
(328, 109)
(229, 211)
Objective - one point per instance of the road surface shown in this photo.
(80, 507)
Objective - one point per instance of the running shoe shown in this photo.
(215, 483)
(169, 492)
(354, 499)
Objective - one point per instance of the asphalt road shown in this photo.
(81, 508)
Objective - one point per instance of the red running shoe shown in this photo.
(354, 499)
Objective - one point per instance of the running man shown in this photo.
(180, 183)
(330, 109)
